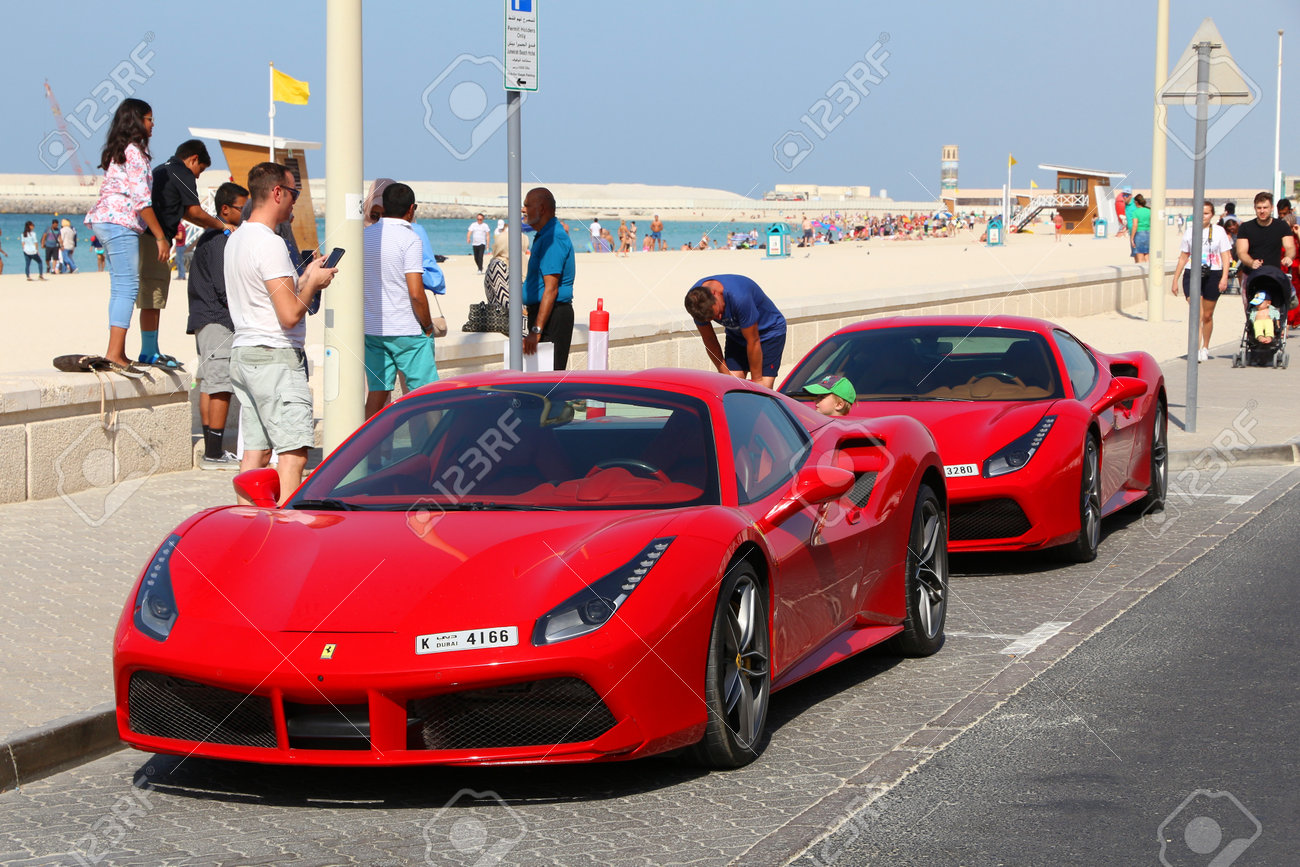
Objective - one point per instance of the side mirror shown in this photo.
(1121, 388)
(262, 487)
(811, 486)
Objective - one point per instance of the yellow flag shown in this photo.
(1011, 161)
(287, 89)
(1033, 186)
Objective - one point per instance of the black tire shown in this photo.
(1159, 487)
(926, 581)
(737, 696)
(1084, 548)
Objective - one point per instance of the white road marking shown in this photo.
(1034, 637)
(999, 635)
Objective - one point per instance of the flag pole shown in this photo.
(270, 113)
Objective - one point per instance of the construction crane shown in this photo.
(66, 140)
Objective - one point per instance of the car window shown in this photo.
(934, 362)
(767, 444)
(570, 445)
(1079, 363)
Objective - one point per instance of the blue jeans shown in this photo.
(122, 250)
(27, 266)
(67, 261)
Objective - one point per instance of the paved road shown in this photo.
(1180, 717)
(838, 739)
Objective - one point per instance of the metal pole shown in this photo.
(345, 348)
(1277, 134)
(514, 181)
(1159, 151)
(1198, 195)
(270, 112)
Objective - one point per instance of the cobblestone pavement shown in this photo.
(839, 739)
(69, 564)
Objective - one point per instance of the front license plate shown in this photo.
(469, 639)
(952, 470)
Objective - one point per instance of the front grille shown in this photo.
(327, 726)
(558, 711)
(987, 519)
(860, 493)
(168, 707)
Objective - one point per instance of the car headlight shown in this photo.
(155, 604)
(1017, 453)
(593, 606)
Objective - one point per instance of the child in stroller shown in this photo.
(1267, 299)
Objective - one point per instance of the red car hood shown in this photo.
(965, 431)
(375, 571)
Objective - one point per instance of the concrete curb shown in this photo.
(1254, 456)
(56, 746)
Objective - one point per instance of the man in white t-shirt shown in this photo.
(477, 237)
(596, 242)
(398, 324)
(268, 306)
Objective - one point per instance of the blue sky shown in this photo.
(673, 92)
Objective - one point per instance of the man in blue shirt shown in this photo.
(755, 328)
(548, 284)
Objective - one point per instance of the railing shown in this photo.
(1043, 201)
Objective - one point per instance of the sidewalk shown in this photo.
(72, 561)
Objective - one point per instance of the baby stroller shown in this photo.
(1275, 286)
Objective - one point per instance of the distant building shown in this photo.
(948, 175)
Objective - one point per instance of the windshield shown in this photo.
(525, 446)
(934, 362)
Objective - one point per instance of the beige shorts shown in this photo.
(155, 276)
(275, 399)
(213, 341)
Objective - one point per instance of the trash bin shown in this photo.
(778, 241)
(1099, 228)
(994, 232)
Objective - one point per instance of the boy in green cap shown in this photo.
(837, 395)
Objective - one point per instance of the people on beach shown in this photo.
(496, 277)
(398, 322)
(212, 327)
(596, 235)
(624, 242)
(31, 250)
(50, 242)
(1058, 223)
(548, 283)
(268, 305)
(807, 239)
(1139, 229)
(754, 327)
(98, 248)
(837, 395)
(122, 214)
(477, 237)
(657, 241)
(67, 246)
(1215, 247)
(175, 198)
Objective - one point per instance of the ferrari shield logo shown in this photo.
(328, 652)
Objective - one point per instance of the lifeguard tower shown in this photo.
(243, 150)
(1081, 196)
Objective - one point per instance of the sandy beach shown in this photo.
(67, 313)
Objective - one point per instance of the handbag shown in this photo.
(485, 317)
(439, 321)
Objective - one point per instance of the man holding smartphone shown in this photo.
(268, 306)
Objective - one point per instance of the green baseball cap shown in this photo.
(836, 385)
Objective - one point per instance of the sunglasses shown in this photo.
(293, 191)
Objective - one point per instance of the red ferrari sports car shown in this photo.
(1041, 435)
(510, 568)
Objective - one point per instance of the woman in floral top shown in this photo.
(124, 210)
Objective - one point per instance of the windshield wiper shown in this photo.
(491, 507)
(329, 504)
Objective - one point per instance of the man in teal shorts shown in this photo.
(398, 325)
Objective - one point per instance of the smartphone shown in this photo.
(306, 260)
(333, 260)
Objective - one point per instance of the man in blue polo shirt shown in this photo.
(548, 284)
(755, 328)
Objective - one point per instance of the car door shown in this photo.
(815, 553)
(1117, 425)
